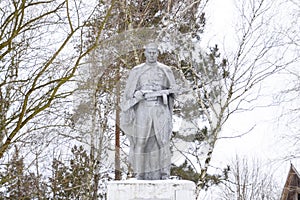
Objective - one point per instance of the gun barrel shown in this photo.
(156, 93)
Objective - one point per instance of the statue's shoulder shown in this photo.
(135, 68)
(164, 67)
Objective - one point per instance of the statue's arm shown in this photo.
(131, 96)
(172, 82)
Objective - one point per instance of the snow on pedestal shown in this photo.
(151, 190)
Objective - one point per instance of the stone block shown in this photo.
(151, 190)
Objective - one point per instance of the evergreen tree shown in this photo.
(73, 180)
(18, 183)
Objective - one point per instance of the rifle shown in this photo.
(164, 93)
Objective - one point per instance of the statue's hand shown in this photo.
(138, 95)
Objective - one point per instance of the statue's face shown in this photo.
(151, 55)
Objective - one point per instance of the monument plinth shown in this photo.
(151, 190)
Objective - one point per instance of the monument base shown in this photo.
(151, 190)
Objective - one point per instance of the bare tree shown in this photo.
(36, 61)
(249, 180)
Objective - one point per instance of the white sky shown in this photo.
(263, 141)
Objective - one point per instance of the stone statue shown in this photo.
(146, 116)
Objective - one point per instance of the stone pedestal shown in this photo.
(151, 190)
